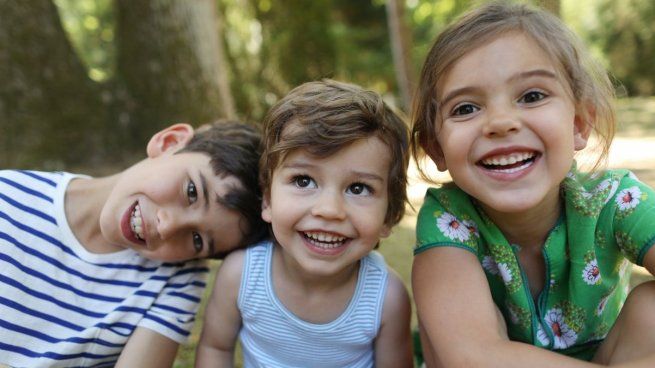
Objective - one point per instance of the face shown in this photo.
(166, 207)
(508, 126)
(327, 213)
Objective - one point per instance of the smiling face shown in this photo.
(166, 207)
(508, 127)
(327, 213)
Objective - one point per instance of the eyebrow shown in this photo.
(205, 196)
(359, 174)
(524, 75)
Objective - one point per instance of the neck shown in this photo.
(304, 279)
(83, 204)
(529, 229)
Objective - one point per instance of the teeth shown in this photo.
(136, 222)
(325, 240)
(508, 160)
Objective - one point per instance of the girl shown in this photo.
(522, 256)
(334, 165)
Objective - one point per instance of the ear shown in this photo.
(386, 231)
(171, 139)
(436, 155)
(582, 125)
(266, 208)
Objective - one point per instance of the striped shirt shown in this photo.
(61, 306)
(272, 336)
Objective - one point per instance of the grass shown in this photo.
(636, 117)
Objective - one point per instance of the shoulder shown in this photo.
(396, 304)
(448, 217)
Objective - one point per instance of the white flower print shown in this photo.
(601, 305)
(505, 272)
(472, 228)
(452, 227)
(591, 273)
(542, 336)
(513, 317)
(628, 198)
(563, 334)
(490, 265)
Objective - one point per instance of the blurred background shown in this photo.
(85, 83)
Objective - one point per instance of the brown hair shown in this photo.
(234, 149)
(322, 117)
(588, 80)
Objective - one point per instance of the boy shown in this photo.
(92, 271)
(333, 171)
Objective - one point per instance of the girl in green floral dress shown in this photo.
(522, 260)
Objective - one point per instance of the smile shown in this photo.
(510, 163)
(136, 223)
(324, 240)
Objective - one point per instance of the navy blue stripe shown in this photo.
(37, 177)
(43, 337)
(40, 315)
(176, 285)
(51, 355)
(166, 324)
(64, 248)
(49, 298)
(185, 296)
(185, 271)
(62, 266)
(28, 209)
(26, 189)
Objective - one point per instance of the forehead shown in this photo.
(361, 155)
(500, 55)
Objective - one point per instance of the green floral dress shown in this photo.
(608, 222)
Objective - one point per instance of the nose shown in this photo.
(329, 204)
(502, 120)
(170, 221)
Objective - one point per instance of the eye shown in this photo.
(464, 109)
(532, 97)
(191, 192)
(359, 189)
(197, 242)
(303, 181)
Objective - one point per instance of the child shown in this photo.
(333, 175)
(91, 267)
(522, 255)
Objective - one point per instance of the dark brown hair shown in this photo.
(322, 117)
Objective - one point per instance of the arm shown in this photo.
(461, 325)
(222, 318)
(393, 345)
(147, 349)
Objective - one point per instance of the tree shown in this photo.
(168, 69)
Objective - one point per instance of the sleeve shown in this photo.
(634, 218)
(173, 312)
(444, 220)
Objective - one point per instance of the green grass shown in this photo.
(636, 117)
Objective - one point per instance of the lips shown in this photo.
(132, 226)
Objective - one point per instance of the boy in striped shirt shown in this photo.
(107, 271)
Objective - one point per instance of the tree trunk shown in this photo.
(52, 116)
(48, 106)
(401, 46)
(167, 58)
